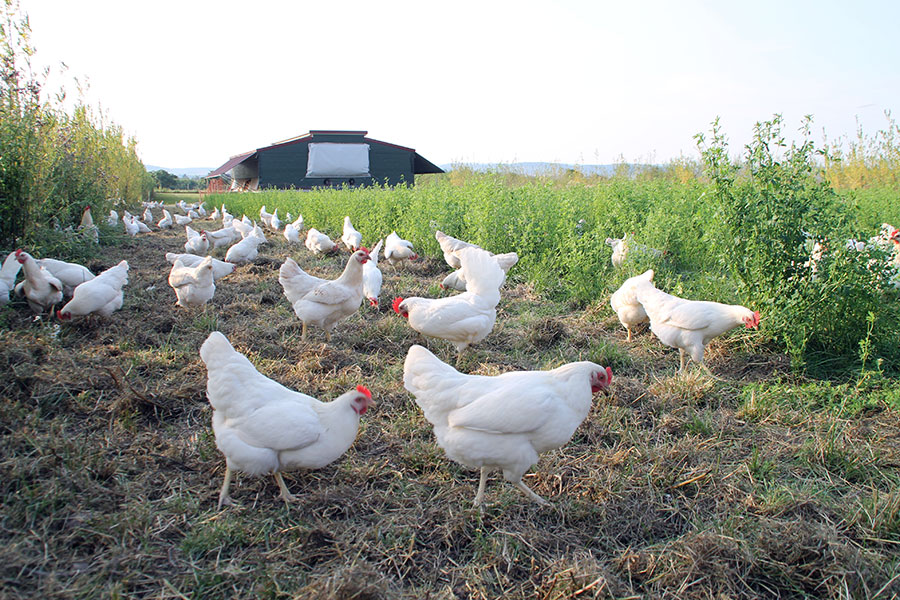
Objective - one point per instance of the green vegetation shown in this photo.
(742, 232)
(52, 162)
(168, 181)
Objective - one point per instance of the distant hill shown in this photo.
(540, 168)
(189, 172)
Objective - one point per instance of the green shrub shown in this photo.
(766, 210)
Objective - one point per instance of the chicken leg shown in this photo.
(303, 332)
(224, 498)
(479, 496)
(286, 495)
(531, 494)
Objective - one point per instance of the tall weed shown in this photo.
(53, 163)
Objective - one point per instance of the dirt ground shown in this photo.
(676, 486)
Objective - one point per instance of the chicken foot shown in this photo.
(519, 484)
(286, 495)
(479, 496)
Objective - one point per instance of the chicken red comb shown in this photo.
(364, 249)
(364, 391)
(608, 375)
(396, 304)
(18, 252)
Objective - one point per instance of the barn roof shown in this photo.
(230, 163)
(420, 164)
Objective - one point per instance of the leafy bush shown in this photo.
(766, 210)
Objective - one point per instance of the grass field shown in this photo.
(750, 481)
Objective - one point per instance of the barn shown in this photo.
(321, 158)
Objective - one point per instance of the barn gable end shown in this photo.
(284, 164)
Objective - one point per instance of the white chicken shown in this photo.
(396, 249)
(619, 250)
(41, 289)
(214, 216)
(895, 246)
(463, 319)
(8, 273)
(351, 237)
(71, 275)
(624, 302)
(166, 221)
(883, 239)
(454, 281)
(258, 232)
(183, 220)
(319, 243)
(147, 217)
(113, 219)
(506, 421)
(87, 221)
(244, 251)
(457, 279)
(264, 215)
(222, 237)
(291, 234)
(274, 222)
(295, 281)
(87, 226)
(242, 227)
(220, 268)
(101, 295)
(449, 246)
(197, 243)
(689, 325)
(372, 277)
(329, 302)
(625, 247)
(194, 286)
(131, 227)
(263, 427)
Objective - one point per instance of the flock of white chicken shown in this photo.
(489, 423)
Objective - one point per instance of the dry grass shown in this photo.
(674, 487)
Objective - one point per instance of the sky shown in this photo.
(585, 82)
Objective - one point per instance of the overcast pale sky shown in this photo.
(473, 81)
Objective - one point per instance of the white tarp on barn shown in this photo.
(338, 160)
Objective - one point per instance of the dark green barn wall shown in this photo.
(284, 166)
